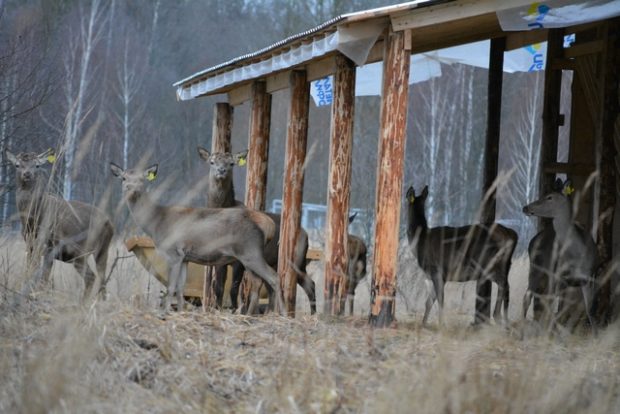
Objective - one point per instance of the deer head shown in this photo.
(552, 204)
(221, 163)
(27, 166)
(419, 199)
(134, 180)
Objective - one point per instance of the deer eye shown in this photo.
(549, 198)
(212, 162)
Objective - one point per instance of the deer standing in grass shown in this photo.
(221, 194)
(207, 236)
(460, 254)
(356, 269)
(58, 229)
(542, 265)
(574, 248)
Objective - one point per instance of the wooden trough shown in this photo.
(144, 249)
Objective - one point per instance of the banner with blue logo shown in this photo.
(321, 91)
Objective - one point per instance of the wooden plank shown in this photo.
(278, 81)
(390, 161)
(220, 142)
(517, 40)
(339, 187)
(447, 13)
(588, 48)
(579, 169)
(321, 68)
(563, 64)
(240, 94)
(494, 112)
(314, 254)
(292, 193)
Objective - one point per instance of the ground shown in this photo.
(121, 355)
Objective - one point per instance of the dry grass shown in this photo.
(57, 355)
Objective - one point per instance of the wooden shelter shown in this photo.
(391, 34)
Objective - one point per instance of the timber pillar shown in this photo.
(390, 161)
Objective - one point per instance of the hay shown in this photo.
(120, 355)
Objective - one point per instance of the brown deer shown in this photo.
(460, 254)
(574, 248)
(542, 266)
(207, 236)
(59, 229)
(221, 193)
(356, 269)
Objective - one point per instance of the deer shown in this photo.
(459, 254)
(59, 229)
(542, 266)
(221, 193)
(356, 269)
(574, 248)
(207, 236)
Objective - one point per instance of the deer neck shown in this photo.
(29, 196)
(563, 221)
(416, 224)
(221, 193)
(146, 212)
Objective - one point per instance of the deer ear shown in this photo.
(47, 156)
(410, 194)
(241, 158)
(568, 188)
(352, 217)
(204, 154)
(116, 170)
(151, 172)
(424, 192)
(11, 157)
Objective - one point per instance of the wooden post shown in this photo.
(258, 147)
(390, 160)
(491, 159)
(608, 133)
(338, 187)
(220, 142)
(551, 108)
(258, 161)
(292, 193)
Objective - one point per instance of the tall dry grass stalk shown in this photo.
(58, 355)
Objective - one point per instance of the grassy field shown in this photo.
(120, 355)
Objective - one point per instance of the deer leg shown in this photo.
(173, 277)
(430, 299)
(101, 262)
(255, 262)
(527, 299)
(89, 276)
(220, 281)
(307, 284)
(498, 302)
(180, 287)
(586, 291)
(236, 283)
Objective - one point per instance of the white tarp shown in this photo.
(557, 13)
(425, 66)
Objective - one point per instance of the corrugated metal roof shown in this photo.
(324, 27)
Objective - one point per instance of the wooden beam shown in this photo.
(240, 94)
(494, 113)
(551, 108)
(390, 160)
(339, 187)
(588, 48)
(292, 193)
(517, 40)
(220, 142)
(447, 13)
(580, 169)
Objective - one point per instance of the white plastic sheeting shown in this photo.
(557, 13)
(425, 66)
(354, 41)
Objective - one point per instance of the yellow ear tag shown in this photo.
(51, 158)
(151, 176)
(411, 199)
(241, 162)
(568, 190)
